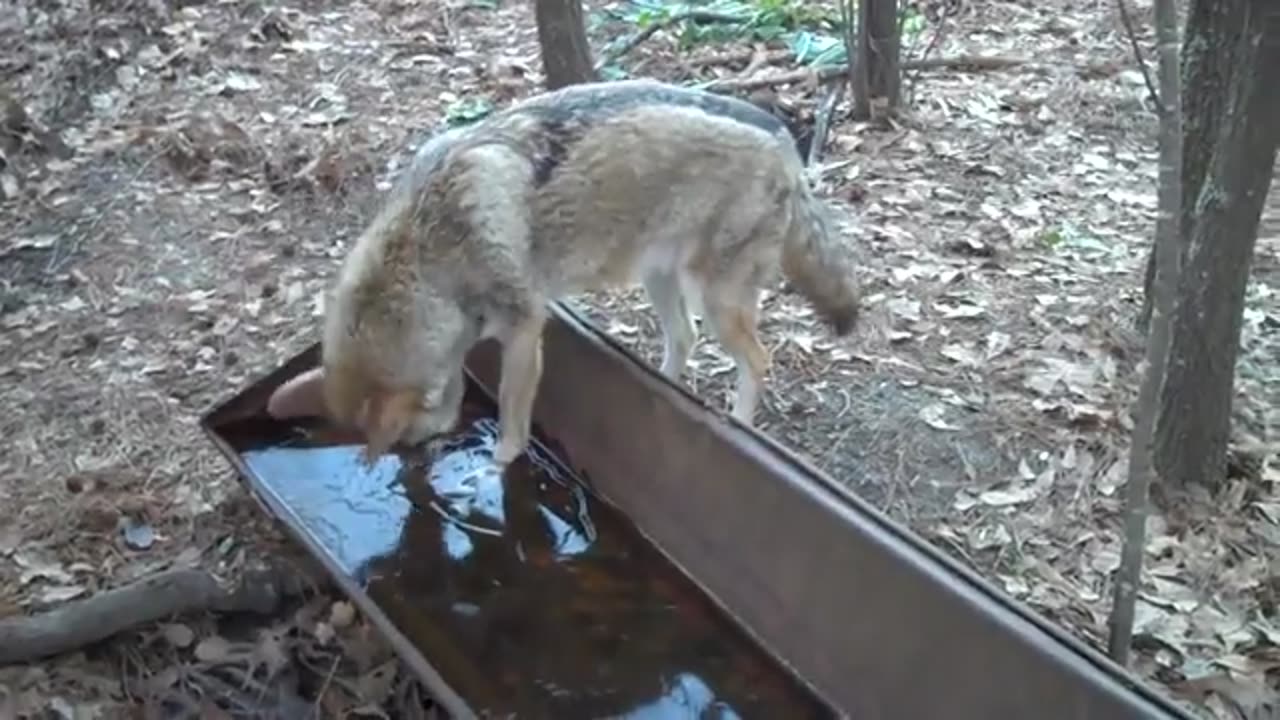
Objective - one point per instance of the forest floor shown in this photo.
(206, 165)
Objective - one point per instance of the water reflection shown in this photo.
(688, 697)
(340, 494)
(527, 594)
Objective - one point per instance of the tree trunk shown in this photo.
(1209, 54)
(1194, 420)
(562, 35)
(877, 70)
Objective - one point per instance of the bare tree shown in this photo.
(1231, 69)
(562, 35)
(1167, 251)
(876, 68)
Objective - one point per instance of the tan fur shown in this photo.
(583, 188)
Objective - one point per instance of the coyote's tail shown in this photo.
(818, 264)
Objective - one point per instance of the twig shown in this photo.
(822, 122)
(165, 594)
(737, 56)
(1141, 452)
(756, 62)
(934, 41)
(324, 688)
(611, 55)
(828, 72)
(1127, 21)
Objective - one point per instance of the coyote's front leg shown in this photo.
(518, 386)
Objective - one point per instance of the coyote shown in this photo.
(698, 196)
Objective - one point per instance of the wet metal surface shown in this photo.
(530, 597)
(507, 594)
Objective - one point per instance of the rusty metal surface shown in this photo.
(878, 621)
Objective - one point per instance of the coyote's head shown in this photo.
(392, 349)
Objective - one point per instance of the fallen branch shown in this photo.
(611, 55)
(734, 57)
(822, 122)
(974, 63)
(163, 595)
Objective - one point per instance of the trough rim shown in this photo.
(754, 443)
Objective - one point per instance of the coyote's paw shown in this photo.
(508, 450)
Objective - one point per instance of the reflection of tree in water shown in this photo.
(533, 616)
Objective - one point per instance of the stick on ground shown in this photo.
(828, 72)
(159, 596)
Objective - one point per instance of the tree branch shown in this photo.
(975, 63)
(741, 56)
(165, 594)
(1127, 21)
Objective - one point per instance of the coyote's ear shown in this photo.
(389, 413)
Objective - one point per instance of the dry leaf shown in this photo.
(60, 593)
(213, 649)
(341, 614)
(932, 415)
(178, 635)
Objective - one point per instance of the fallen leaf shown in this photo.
(10, 538)
(964, 501)
(271, 651)
(178, 635)
(60, 593)
(932, 415)
(323, 633)
(963, 311)
(213, 649)
(997, 342)
(983, 537)
(1026, 210)
(62, 708)
(35, 568)
(1113, 478)
(239, 82)
(961, 355)
(1019, 495)
(375, 685)
(341, 614)
(906, 309)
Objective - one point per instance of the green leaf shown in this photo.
(467, 111)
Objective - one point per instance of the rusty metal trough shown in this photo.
(772, 591)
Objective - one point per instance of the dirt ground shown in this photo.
(218, 158)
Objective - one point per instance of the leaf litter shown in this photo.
(220, 162)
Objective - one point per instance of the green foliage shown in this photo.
(812, 31)
(613, 72)
(910, 23)
(467, 110)
(1069, 238)
(812, 48)
(761, 20)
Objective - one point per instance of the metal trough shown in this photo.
(723, 576)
